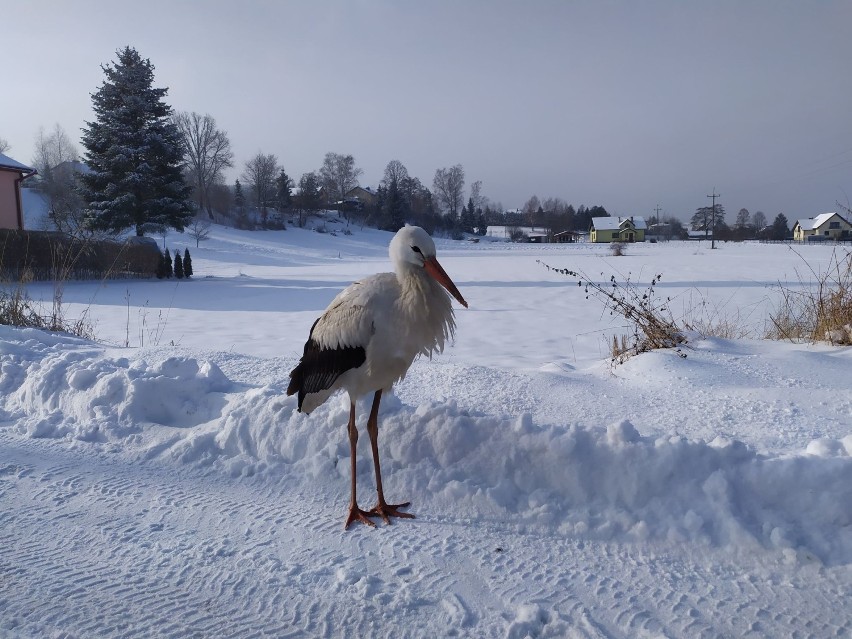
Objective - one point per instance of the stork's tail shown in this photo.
(297, 382)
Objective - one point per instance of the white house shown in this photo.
(505, 232)
(826, 226)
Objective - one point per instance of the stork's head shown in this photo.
(412, 248)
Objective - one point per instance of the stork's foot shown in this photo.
(356, 514)
(386, 511)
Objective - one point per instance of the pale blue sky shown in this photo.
(625, 104)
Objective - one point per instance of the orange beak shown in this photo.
(440, 275)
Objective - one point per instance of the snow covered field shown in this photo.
(159, 483)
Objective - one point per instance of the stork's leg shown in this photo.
(355, 513)
(382, 509)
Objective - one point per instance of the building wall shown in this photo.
(800, 234)
(842, 228)
(617, 235)
(8, 201)
(365, 196)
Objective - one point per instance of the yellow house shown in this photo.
(12, 173)
(827, 226)
(618, 229)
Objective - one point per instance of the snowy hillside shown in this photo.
(159, 483)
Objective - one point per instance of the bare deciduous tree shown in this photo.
(53, 149)
(199, 229)
(339, 175)
(449, 189)
(530, 210)
(56, 162)
(743, 219)
(207, 152)
(4, 145)
(395, 171)
(476, 195)
(260, 173)
(308, 199)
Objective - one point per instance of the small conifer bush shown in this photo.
(187, 263)
(167, 264)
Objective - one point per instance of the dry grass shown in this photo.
(18, 309)
(714, 319)
(818, 311)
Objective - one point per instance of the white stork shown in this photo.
(368, 337)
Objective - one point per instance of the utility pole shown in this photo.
(657, 211)
(713, 219)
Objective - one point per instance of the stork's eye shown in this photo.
(416, 249)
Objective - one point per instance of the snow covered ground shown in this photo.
(159, 483)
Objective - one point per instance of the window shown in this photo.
(834, 225)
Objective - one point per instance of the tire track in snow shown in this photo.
(171, 551)
(118, 565)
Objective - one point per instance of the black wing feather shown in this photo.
(320, 367)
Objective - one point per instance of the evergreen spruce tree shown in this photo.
(240, 204)
(161, 267)
(239, 198)
(187, 263)
(167, 264)
(468, 218)
(134, 152)
(780, 227)
(178, 266)
(393, 210)
(284, 186)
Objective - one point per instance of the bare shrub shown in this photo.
(820, 310)
(617, 249)
(651, 323)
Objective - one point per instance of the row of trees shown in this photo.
(747, 226)
(151, 169)
(179, 268)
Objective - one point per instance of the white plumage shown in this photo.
(369, 336)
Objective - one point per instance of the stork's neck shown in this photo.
(427, 307)
(418, 288)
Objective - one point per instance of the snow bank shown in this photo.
(602, 483)
(606, 482)
(58, 386)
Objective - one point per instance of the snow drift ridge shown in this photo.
(605, 482)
